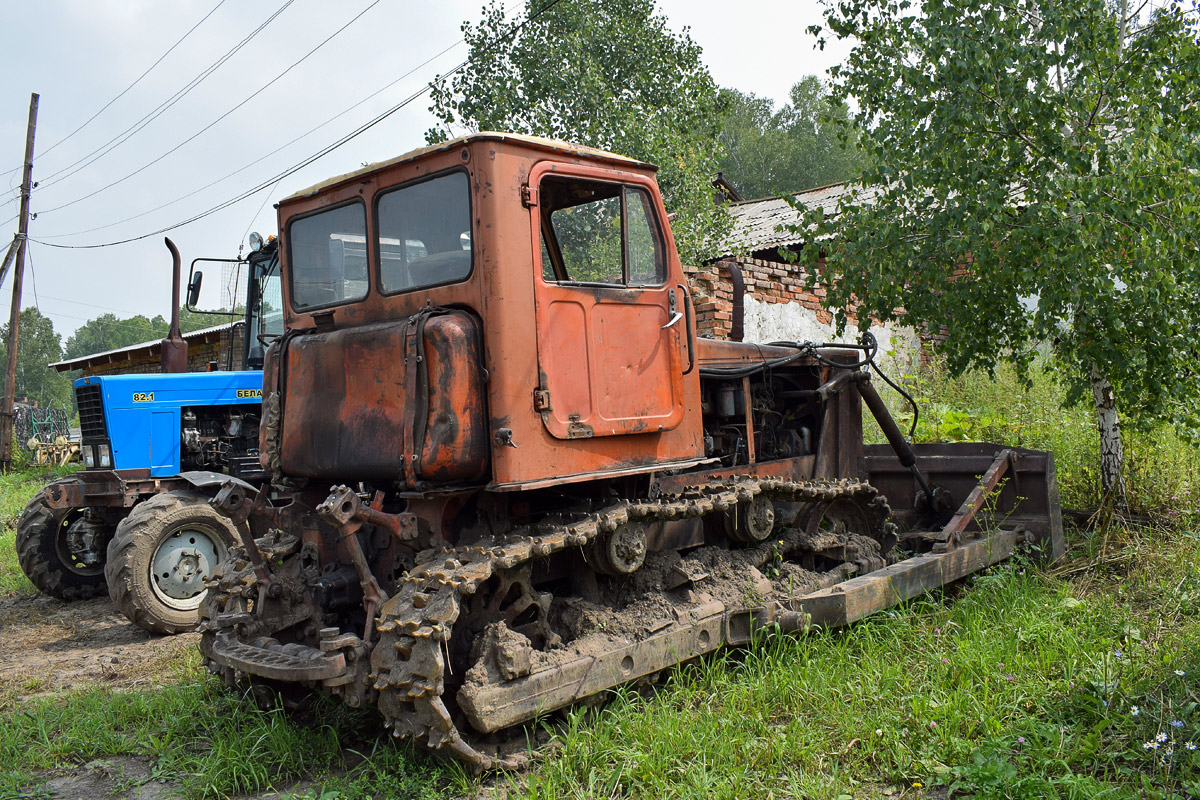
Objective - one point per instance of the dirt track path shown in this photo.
(51, 646)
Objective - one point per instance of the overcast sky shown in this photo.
(80, 54)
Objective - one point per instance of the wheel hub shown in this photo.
(181, 564)
(81, 546)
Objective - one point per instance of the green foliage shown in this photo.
(610, 75)
(37, 346)
(1162, 466)
(109, 332)
(806, 143)
(1034, 164)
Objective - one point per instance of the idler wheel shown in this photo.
(751, 522)
(619, 552)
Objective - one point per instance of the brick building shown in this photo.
(778, 305)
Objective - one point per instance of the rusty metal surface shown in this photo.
(174, 347)
(108, 488)
(608, 363)
(348, 393)
(1028, 499)
(514, 448)
(503, 299)
(416, 626)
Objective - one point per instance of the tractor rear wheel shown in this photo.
(60, 550)
(161, 556)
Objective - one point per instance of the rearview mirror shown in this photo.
(193, 290)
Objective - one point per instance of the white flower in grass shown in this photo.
(1150, 745)
(1134, 711)
(1162, 737)
(1179, 672)
(1190, 745)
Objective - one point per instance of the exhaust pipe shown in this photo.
(174, 348)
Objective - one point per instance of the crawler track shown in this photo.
(417, 626)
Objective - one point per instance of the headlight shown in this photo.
(256, 242)
(103, 455)
(89, 459)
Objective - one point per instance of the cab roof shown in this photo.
(538, 142)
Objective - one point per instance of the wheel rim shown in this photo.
(182, 562)
(80, 545)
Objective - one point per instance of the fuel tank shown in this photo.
(400, 401)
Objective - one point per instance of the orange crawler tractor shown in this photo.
(545, 484)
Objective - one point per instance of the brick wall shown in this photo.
(780, 306)
(766, 281)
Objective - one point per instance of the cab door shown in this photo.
(609, 319)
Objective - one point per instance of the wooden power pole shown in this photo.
(7, 418)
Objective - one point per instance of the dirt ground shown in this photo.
(51, 646)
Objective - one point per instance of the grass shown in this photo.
(1023, 686)
(207, 741)
(1078, 681)
(17, 488)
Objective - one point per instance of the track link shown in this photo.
(409, 662)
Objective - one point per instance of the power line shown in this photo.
(210, 125)
(315, 156)
(90, 305)
(137, 81)
(131, 131)
(242, 169)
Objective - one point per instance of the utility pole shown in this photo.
(7, 418)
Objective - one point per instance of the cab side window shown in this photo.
(599, 233)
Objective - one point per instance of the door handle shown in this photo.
(687, 328)
(674, 318)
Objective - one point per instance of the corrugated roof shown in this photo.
(756, 223)
(109, 356)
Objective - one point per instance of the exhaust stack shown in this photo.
(174, 348)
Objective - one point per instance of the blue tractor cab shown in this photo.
(136, 521)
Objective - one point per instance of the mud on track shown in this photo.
(49, 646)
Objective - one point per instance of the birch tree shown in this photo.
(1036, 173)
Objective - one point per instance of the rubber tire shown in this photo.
(132, 550)
(37, 533)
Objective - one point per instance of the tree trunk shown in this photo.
(1112, 453)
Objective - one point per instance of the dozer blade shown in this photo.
(987, 486)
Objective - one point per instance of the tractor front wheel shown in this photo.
(61, 550)
(161, 556)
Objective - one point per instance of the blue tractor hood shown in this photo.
(140, 416)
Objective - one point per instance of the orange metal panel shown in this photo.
(500, 292)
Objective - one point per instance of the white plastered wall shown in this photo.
(899, 345)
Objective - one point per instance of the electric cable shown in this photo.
(131, 131)
(210, 125)
(315, 156)
(240, 170)
(136, 81)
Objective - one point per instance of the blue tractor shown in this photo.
(136, 521)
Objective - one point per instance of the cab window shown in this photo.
(597, 232)
(328, 257)
(425, 233)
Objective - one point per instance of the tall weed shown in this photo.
(1162, 467)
